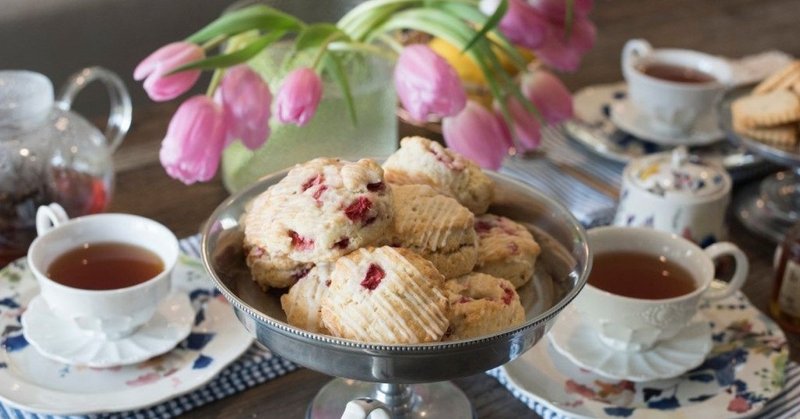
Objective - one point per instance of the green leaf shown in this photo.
(490, 24)
(347, 21)
(236, 57)
(314, 36)
(253, 17)
(569, 18)
(334, 64)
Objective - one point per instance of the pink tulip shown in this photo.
(427, 84)
(246, 101)
(298, 97)
(523, 25)
(477, 134)
(549, 95)
(161, 87)
(525, 127)
(564, 51)
(556, 10)
(195, 138)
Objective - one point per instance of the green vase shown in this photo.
(331, 132)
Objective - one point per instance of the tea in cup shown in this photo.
(645, 285)
(106, 272)
(673, 87)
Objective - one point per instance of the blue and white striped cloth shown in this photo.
(255, 366)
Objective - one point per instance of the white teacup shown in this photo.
(109, 314)
(636, 324)
(672, 107)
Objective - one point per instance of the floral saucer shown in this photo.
(59, 339)
(745, 368)
(574, 338)
(30, 381)
(593, 129)
(626, 116)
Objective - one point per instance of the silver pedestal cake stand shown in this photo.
(774, 205)
(410, 381)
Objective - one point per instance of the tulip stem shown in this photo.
(214, 42)
(216, 78)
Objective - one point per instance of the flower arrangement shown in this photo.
(239, 103)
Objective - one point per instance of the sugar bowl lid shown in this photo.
(675, 174)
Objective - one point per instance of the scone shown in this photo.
(321, 210)
(303, 301)
(268, 270)
(385, 295)
(422, 161)
(505, 249)
(436, 227)
(481, 304)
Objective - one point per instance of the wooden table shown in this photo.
(731, 28)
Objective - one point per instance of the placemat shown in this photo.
(256, 366)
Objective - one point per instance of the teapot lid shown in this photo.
(676, 174)
(26, 99)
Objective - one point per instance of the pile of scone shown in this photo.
(771, 112)
(399, 254)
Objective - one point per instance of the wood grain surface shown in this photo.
(732, 28)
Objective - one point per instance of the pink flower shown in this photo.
(556, 10)
(154, 68)
(525, 127)
(477, 134)
(564, 52)
(549, 95)
(523, 25)
(298, 97)
(195, 138)
(246, 101)
(427, 84)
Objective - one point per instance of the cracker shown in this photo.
(782, 79)
(778, 135)
(768, 109)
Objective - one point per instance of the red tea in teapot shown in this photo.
(79, 193)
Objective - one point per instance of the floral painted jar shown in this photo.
(671, 192)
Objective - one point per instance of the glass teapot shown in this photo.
(51, 154)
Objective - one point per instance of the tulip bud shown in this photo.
(161, 87)
(246, 101)
(427, 84)
(195, 138)
(525, 127)
(556, 10)
(298, 97)
(523, 25)
(548, 95)
(564, 51)
(477, 133)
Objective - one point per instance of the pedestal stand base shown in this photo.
(433, 400)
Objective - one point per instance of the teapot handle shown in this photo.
(119, 118)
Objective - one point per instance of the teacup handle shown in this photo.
(364, 407)
(634, 49)
(49, 217)
(718, 291)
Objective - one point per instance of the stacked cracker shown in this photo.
(771, 113)
(415, 259)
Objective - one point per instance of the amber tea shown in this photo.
(675, 73)
(640, 275)
(105, 266)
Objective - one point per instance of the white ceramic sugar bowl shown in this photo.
(670, 192)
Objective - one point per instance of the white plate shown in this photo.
(32, 382)
(61, 340)
(574, 338)
(629, 118)
(744, 369)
